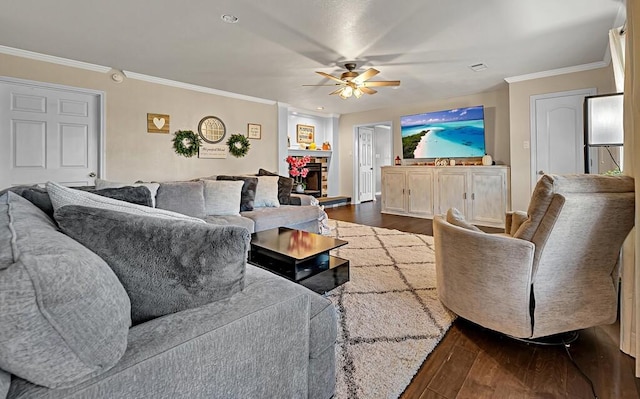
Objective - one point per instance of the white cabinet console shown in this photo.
(481, 193)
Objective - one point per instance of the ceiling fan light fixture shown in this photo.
(357, 92)
(347, 91)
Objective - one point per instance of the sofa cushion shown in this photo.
(185, 197)
(64, 316)
(456, 218)
(62, 196)
(153, 187)
(285, 186)
(248, 195)
(218, 344)
(267, 192)
(222, 197)
(164, 265)
(285, 216)
(5, 383)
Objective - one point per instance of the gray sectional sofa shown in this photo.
(114, 301)
(189, 198)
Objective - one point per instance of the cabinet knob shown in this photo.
(92, 174)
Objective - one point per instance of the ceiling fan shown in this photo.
(355, 84)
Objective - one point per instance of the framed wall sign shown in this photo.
(305, 133)
(212, 151)
(254, 131)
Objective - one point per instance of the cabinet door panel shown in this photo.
(452, 191)
(393, 184)
(488, 203)
(420, 190)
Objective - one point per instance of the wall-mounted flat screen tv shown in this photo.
(454, 133)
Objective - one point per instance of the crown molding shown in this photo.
(555, 72)
(132, 75)
(312, 113)
(201, 89)
(53, 59)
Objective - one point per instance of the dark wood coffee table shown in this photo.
(300, 256)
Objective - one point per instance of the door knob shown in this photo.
(541, 172)
(92, 174)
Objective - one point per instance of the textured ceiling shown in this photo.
(278, 44)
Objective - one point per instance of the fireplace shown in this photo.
(316, 182)
(313, 180)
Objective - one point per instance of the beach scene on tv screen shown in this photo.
(454, 133)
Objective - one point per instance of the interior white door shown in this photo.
(47, 134)
(558, 133)
(365, 164)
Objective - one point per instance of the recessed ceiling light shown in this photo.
(230, 19)
(319, 108)
(478, 67)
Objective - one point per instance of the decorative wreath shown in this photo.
(186, 143)
(238, 145)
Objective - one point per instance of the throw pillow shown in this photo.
(153, 187)
(267, 192)
(222, 197)
(61, 196)
(64, 316)
(135, 195)
(285, 186)
(248, 194)
(165, 266)
(456, 218)
(184, 197)
(39, 197)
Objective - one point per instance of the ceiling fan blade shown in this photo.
(368, 74)
(337, 91)
(332, 84)
(326, 75)
(367, 90)
(382, 83)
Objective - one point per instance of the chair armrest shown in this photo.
(485, 278)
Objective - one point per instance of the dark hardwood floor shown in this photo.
(472, 362)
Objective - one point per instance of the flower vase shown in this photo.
(300, 188)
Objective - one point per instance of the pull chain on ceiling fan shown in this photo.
(355, 84)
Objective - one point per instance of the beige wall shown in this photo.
(496, 108)
(131, 152)
(520, 123)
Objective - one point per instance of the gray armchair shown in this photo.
(553, 270)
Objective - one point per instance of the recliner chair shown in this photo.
(553, 270)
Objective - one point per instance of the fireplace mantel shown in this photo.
(311, 153)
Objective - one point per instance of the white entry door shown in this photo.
(557, 133)
(48, 133)
(365, 161)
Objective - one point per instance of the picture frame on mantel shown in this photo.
(254, 131)
(305, 133)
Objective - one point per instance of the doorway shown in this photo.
(53, 133)
(557, 133)
(374, 148)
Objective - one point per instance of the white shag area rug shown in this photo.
(389, 315)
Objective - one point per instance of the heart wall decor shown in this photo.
(158, 123)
